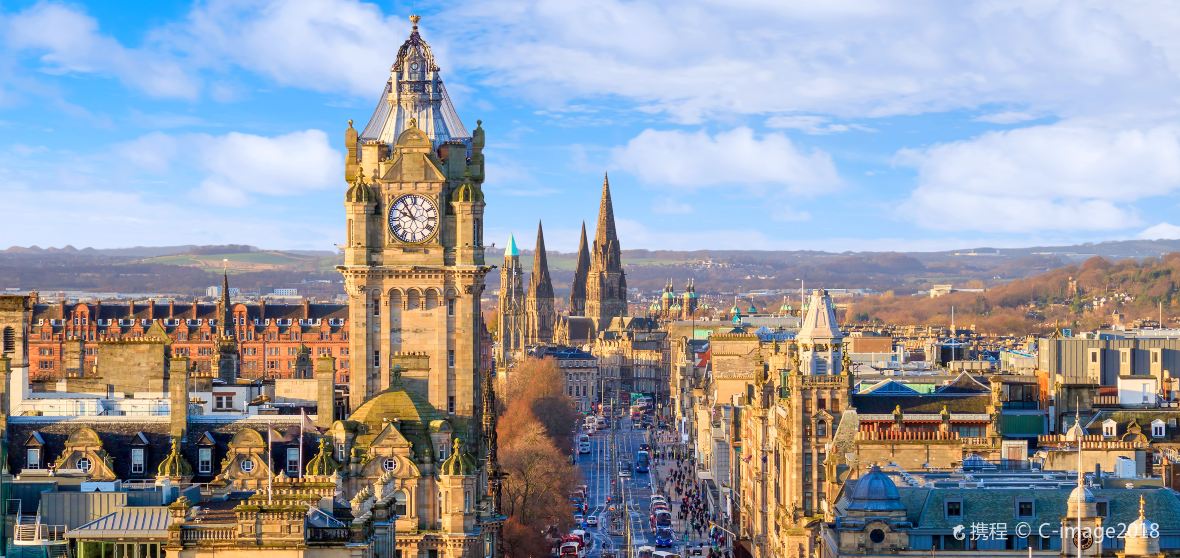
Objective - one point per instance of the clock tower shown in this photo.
(414, 257)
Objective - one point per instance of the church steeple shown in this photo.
(540, 285)
(606, 240)
(581, 271)
(539, 314)
(606, 284)
(227, 329)
(511, 311)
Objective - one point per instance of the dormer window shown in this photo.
(954, 508)
(83, 464)
(1157, 428)
(247, 465)
(1109, 428)
(33, 458)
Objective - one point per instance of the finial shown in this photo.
(360, 175)
(456, 444)
(478, 123)
(1142, 503)
(414, 19)
(413, 122)
(350, 123)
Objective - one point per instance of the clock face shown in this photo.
(413, 218)
(413, 65)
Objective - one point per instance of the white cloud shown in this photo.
(235, 167)
(69, 42)
(814, 125)
(692, 61)
(1065, 176)
(326, 45)
(677, 159)
(1007, 117)
(1161, 230)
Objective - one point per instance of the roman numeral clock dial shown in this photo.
(413, 218)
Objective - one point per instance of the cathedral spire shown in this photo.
(540, 285)
(581, 271)
(605, 238)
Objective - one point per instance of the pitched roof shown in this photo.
(141, 523)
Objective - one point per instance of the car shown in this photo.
(664, 537)
(625, 473)
(592, 521)
(644, 447)
(578, 519)
(660, 507)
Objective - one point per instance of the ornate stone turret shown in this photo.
(227, 345)
(581, 272)
(459, 463)
(175, 467)
(539, 316)
(511, 312)
(606, 284)
(323, 464)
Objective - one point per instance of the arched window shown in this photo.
(431, 299)
(399, 503)
(9, 340)
(821, 429)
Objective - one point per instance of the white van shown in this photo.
(583, 444)
(664, 554)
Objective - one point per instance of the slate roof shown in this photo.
(881, 404)
(998, 505)
(119, 437)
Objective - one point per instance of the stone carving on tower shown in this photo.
(511, 304)
(820, 337)
(581, 271)
(539, 315)
(606, 284)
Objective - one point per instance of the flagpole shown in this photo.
(300, 440)
(269, 465)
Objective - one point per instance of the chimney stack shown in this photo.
(325, 379)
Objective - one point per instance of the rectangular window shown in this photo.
(376, 359)
(1094, 357)
(450, 307)
(33, 458)
(223, 402)
(450, 359)
(293, 462)
(451, 404)
(137, 460)
(205, 461)
(1024, 508)
(954, 508)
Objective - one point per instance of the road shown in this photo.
(599, 472)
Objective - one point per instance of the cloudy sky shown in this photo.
(724, 124)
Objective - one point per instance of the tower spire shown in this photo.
(227, 330)
(581, 271)
(540, 283)
(606, 237)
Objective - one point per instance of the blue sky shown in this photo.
(724, 124)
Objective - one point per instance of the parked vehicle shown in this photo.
(664, 538)
(583, 443)
(645, 552)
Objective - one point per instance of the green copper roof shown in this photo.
(512, 250)
(460, 463)
(323, 464)
(175, 465)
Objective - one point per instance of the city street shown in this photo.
(607, 490)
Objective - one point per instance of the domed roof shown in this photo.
(175, 465)
(1082, 494)
(1142, 535)
(459, 464)
(323, 464)
(360, 192)
(394, 403)
(467, 192)
(875, 492)
(411, 411)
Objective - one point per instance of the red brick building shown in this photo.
(63, 337)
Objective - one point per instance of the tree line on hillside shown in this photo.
(1082, 296)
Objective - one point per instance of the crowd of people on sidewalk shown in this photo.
(680, 483)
